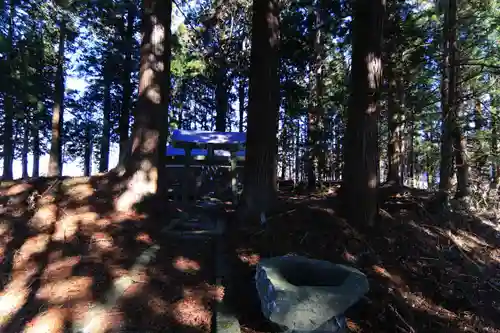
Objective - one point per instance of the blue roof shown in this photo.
(209, 137)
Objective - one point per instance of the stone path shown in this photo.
(202, 226)
(198, 225)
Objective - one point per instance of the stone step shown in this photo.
(225, 320)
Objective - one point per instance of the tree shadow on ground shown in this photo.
(79, 250)
(425, 274)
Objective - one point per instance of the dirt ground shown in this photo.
(427, 273)
(68, 259)
(63, 249)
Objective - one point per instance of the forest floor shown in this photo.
(65, 253)
(68, 260)
(427, 273)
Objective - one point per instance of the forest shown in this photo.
(372, 140)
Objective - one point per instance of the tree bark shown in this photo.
(241, 103)
(104, 153)
(448, 97)
(260, 183)
(55, 159)
(494, 149)
(297, 150)
(460, 142)
(8, 143)
(26, 145)
(123, 125)
(361, 137)
(461, 161)
(144, 168)
(87, 155)
(394, 146)
(316, 110)
(36, 141)
(221, 97)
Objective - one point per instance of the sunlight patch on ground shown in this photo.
(144, 238)
(192, 312)
(495, 255)
(394, 278)
(16, 189)
(494, 226)
(34, 245)
(101, 242)
(5, 228)
(424, 304)
(80, 192)
(66, 228)
(44, 218)
(88, 221)
(205, 290)
(352, 326)
(247, 257)
(472, 239)
(11, 302)
(5, 239)
(423, 229)
(186, 265)
(51, 321)
(74, 288)
(464, 241)
(349, 257)
(128, 285)
(104, 317)
(100, 319)
(60, 269)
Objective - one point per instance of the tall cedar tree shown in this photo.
(361, 138)
(261, 150)
(8, 130)
(143, 167)
(55, 159)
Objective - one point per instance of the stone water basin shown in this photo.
(308, 295)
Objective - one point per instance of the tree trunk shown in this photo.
(144, 167)
(312, 134)
(412, 158)
(297, 150)
(123, 125)
(394, 146)
(55, 159)
(260, 187)
(87, 155)
(337, 167)
(8, 143)
(462, 164)
(26, 145)
(36, 141)
(460, 142)
(316, 110)
(361, 136)
(221, 97)
(284, 144)
(104, 153)
(448, 96)
(494, 149)
(479, 123)
(241, 103)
